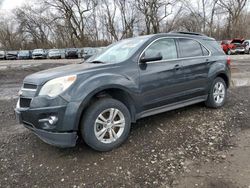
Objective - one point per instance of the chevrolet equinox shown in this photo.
(97, 100)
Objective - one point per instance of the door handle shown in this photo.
(207, 61)
(177, 67)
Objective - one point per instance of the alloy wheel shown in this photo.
(219, 92)
(109, 125)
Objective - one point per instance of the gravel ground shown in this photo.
(180, 148)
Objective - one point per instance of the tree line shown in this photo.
(81, 23)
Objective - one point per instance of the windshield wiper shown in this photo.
(97, 61)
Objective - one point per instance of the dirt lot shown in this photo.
(190, 147)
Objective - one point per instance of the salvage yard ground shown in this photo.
(190, 147)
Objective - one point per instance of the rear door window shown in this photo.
(191, 48)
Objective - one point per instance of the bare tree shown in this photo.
(74, 14)
(80, 23)
(34, 24)
(234, 9)
(10, 39)
(154, 12)
(128, 15)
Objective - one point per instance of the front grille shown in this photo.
(29, 86)
(25, 103)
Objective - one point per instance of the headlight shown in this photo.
(56, 86)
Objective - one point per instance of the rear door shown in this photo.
(195, 61)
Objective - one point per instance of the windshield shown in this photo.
(54, 50)
(119, 51)
(38, 50)
(24, 52)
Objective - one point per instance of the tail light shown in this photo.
(228, 60)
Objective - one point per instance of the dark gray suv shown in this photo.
(137, 77)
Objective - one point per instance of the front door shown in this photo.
(161, 81)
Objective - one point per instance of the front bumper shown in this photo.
(38, 57)
(54, 134)
(237, 50)
(233, 51)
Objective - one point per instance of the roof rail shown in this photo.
(188, 33)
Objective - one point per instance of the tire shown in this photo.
(219, 101)
(229, 52)
(90, 128)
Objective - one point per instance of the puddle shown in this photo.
(240, 82)
(26, 66)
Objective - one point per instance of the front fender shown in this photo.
(99, 82)
(82, 92)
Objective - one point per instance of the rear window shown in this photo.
(190, 48)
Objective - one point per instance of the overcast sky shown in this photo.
(10, 4)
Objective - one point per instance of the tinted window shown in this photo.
(166, 47)
(213, 46)
(190, 48)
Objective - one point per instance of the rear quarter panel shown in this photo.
(218, 66)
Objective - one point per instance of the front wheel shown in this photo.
(217, 94)
(106, 124)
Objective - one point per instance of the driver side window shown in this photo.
(166, 47)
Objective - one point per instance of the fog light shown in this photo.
(52, 120)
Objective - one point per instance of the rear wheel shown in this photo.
(217, 94)
(106, 124)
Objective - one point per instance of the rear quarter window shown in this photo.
(213, 46)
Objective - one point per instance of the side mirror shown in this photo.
(145, 59)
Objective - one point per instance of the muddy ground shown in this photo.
(190, 147)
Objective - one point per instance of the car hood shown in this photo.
(41, 77)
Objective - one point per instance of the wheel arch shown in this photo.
(224, 77)
(117, 93)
